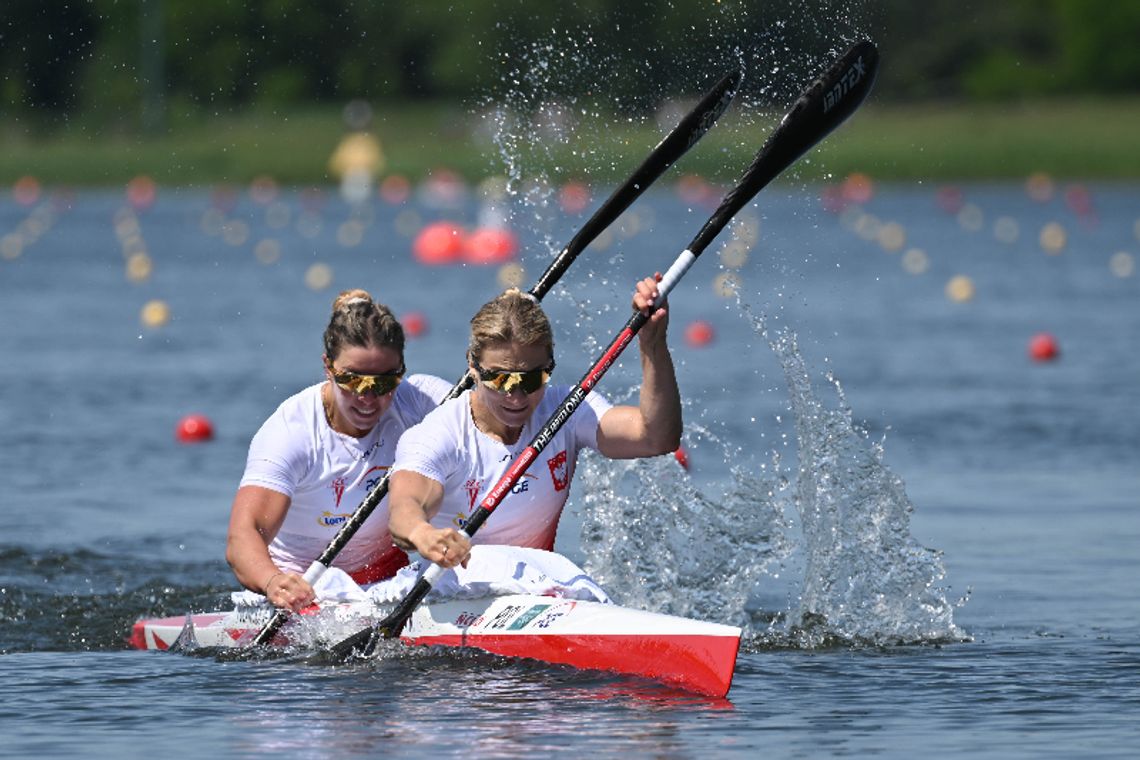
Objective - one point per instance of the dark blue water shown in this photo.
(931, 539)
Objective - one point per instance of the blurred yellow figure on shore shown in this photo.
(358, 159)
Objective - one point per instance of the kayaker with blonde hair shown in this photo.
(445, 464)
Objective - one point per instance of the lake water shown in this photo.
(931, 538)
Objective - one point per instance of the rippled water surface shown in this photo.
(930, 539)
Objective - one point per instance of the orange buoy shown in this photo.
(699, 333)
(490, 245)
(395, 189)
(682, 457)
(263, 190)
(574, 197)
(694, 189)
(858, 188)
(141, 192)
(438, 243)
(1043, 348)
(950, 199)
(194, 428)
(26, 191)
(415, 324)
(831, 197)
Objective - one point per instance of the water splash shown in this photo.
(866, 579)
(655, 540)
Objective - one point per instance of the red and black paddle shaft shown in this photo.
(820, 108)
(674, 145)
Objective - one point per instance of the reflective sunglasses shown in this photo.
(359, 384)
(527, 381)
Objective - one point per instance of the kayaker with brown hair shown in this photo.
(321, 452)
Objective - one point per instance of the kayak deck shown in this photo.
(691, 654)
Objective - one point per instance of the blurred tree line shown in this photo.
(111, 60)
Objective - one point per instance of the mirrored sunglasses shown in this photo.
(527, 381)
(360, 384)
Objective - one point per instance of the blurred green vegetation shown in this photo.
(1076, 139)
(202, 91)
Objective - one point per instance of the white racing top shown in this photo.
(449, 449)
(327, 475)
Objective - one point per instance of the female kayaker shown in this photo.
(445, 465)
(317, 457)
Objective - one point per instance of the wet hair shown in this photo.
(513, 317)
(357, 320)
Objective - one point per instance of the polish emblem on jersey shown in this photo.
(473, 487)
(559, 471)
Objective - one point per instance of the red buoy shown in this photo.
(438, 243)
(395, 189)
(682, 457)
(1043, 348)
(415, 324)
(26, 190)
(141, 192)
(194, 428)
(574, 197)
(699, 333)
(490, 245)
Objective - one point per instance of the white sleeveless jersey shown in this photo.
(327, 475)
(449, 449)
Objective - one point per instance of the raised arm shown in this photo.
(654, 426)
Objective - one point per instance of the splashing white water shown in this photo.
(866, 578)
(655, 540)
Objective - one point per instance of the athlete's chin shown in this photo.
(365, 420)
(514, 417)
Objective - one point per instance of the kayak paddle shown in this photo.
(820, 108)
(674, 145)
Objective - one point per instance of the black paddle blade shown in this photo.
(187, 641)
(821, 107)
(363, 643)
(359, 644)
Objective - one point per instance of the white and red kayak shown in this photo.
(510, 601)
(691, 654)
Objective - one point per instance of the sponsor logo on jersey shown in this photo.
(338, 490)
(373, 477)
(328, 519)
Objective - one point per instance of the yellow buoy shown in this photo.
(511, 275)
(960, 288)
(350, 233)
(319, 276)
(892, 237)
(235, 232)
(267, 251)
(734, 254)
(971, 217)
(1053, 238)
(11, 246)
(139, 267)
(915, 261)
(1006, 230)
(727, 284)
(1039, 186)
(155, 313)
(1122, 264)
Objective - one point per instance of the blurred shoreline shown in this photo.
(1075, 139)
